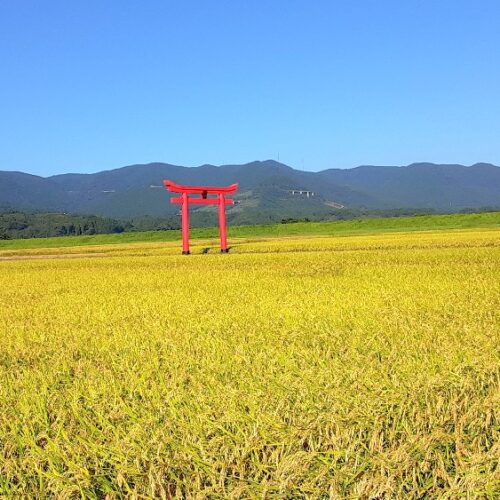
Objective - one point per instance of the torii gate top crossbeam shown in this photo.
(177, 188)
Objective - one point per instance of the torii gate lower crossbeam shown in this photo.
(204, 191)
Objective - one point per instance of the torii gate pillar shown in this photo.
(204, 191)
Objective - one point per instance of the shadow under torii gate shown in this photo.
(184, 200)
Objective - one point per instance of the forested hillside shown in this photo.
(267, 193)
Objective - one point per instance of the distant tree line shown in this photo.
(15, 225)
(40, 225)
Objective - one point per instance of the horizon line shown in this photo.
(249, 163)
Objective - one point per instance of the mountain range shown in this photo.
(266, 187)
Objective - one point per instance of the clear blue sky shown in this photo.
(88, 85)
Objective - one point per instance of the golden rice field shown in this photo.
(321, 367)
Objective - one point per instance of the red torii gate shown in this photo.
(184, 200)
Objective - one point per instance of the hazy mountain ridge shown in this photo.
(136, 190)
